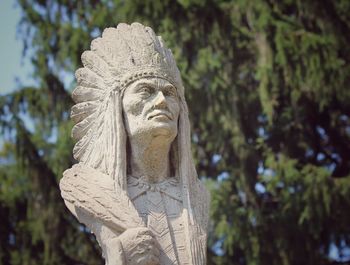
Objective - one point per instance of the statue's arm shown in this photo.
(119, 230)
(109, 241)
(112, 248)
(114, 253)
(133, 246)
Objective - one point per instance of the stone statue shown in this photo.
(135, 186)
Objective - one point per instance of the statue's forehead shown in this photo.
(151, 81)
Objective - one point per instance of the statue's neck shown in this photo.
(150, 159)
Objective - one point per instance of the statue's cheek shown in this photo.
(133, 106)
(174, 107)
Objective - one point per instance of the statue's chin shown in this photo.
(165, 133)
(162, 131)
(155, 127)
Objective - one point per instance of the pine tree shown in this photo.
(267, 88)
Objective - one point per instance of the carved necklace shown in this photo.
(142, 183)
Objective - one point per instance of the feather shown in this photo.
(96, 64)
(88, 78)
(81, 128)
(81, 94)
(102, 48)
(82, 110)
(81, 146)
(110, 33)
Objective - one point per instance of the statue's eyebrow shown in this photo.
(143, 83)
(169, 86)
(154, 84)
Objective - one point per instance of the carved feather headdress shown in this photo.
(121, 56)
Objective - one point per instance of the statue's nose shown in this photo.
(160, 100)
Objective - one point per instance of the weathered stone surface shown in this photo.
(135, 185)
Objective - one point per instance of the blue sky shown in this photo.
(12, 66)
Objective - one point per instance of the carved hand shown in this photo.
(140, 247)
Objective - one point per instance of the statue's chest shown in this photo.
(161, 209)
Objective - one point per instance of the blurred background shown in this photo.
(267, 83)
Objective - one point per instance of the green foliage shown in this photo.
(267, 87)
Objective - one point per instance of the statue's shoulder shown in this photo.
(81, 169)
(90, 195)
(80, 173)
(80, 183)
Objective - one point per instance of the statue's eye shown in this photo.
(146, 90)
(170, 92)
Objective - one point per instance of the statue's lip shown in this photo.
(157, 113)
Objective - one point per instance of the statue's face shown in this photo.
(151, 106)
